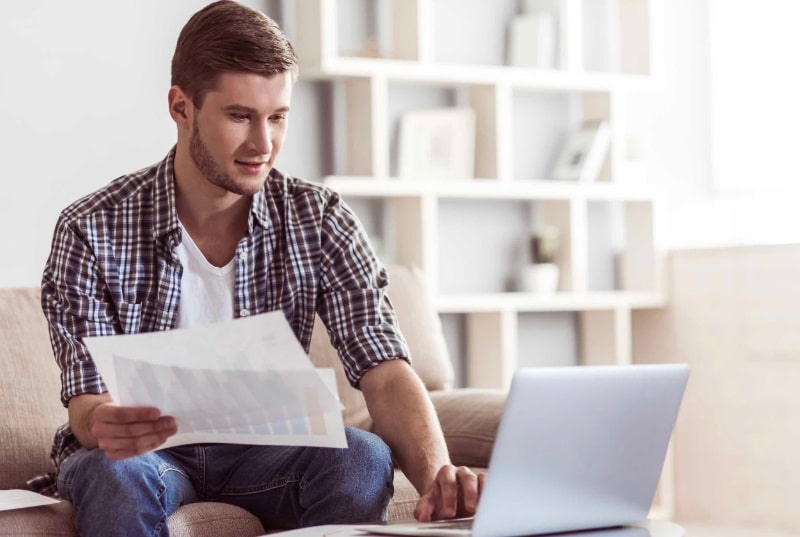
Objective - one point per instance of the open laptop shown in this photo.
(578, 448)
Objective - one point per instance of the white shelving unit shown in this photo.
(413, 208)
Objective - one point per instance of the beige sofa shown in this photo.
(29, 398)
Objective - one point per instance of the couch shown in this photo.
(29, 397)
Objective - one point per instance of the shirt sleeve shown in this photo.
(75, 305)
(353, 304)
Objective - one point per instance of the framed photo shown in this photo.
(437, 143)
(584, 152)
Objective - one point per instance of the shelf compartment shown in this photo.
(488, 101)
(605, 336)
(545, 120)
(481, 242)
(486, 24)
(484, 243)
(491, 353)
(602, 44)
(365, 113)
(547, 339)
(404, 97)
(309, 151)
(620, 249)
(540, 123)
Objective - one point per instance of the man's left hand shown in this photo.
(454, 493)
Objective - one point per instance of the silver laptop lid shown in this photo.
(579, 448)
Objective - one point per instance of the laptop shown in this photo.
(578, 448)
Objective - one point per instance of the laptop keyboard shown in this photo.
(460, 524)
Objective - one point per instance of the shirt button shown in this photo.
(243, 255)
(244, 312)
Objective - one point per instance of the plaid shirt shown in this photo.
(113, 270)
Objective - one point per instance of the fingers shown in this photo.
(104, 429)
(468, 484)
(111, 413)
(455, 492)
(124, 432)
(119, 449)
(448, 488)
(426, 506)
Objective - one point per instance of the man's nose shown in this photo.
(260, 137)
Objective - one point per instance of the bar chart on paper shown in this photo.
(247, 383)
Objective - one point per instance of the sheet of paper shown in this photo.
(244, 381)
(19, 499)
(329, 530)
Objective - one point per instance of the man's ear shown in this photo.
(179, 107)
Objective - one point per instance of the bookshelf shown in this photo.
(381, 58)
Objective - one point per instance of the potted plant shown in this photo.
(540, 275)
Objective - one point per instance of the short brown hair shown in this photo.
(228, 37)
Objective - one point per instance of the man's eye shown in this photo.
(277, 119)
(239, 117)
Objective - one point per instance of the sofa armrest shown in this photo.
(469, 419)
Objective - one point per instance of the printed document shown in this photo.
(243, 381)
(18, 499)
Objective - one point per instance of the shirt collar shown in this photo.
(274, 188)
(165, 214)
(259, 210)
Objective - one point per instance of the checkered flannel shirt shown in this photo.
(113, 270)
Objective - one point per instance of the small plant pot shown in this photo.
(539, 278)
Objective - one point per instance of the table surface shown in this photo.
(650, 528)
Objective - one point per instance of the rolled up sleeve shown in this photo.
(353, 303)
(73, 304)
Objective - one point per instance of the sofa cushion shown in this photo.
(404, 500)
(422, 328)
(212, 519)
(55, 520)
(205, 519)
(29, 388)
(420, 323)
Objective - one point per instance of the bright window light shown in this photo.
(755, 94)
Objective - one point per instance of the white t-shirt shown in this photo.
(206, 290)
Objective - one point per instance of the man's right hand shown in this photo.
(124, 432)
(121, 432)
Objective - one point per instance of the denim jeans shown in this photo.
(285, 487)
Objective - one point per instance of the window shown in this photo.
(755, 94)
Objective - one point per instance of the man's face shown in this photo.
(239, 131)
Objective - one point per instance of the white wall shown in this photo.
(83, 99)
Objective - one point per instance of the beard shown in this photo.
(208, 167)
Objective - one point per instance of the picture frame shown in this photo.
(437, 143)
(584, 152)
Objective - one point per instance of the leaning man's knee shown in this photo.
(369, 474)
(369, 452)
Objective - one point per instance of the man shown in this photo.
(214, 232)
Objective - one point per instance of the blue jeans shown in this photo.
(285, 487)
